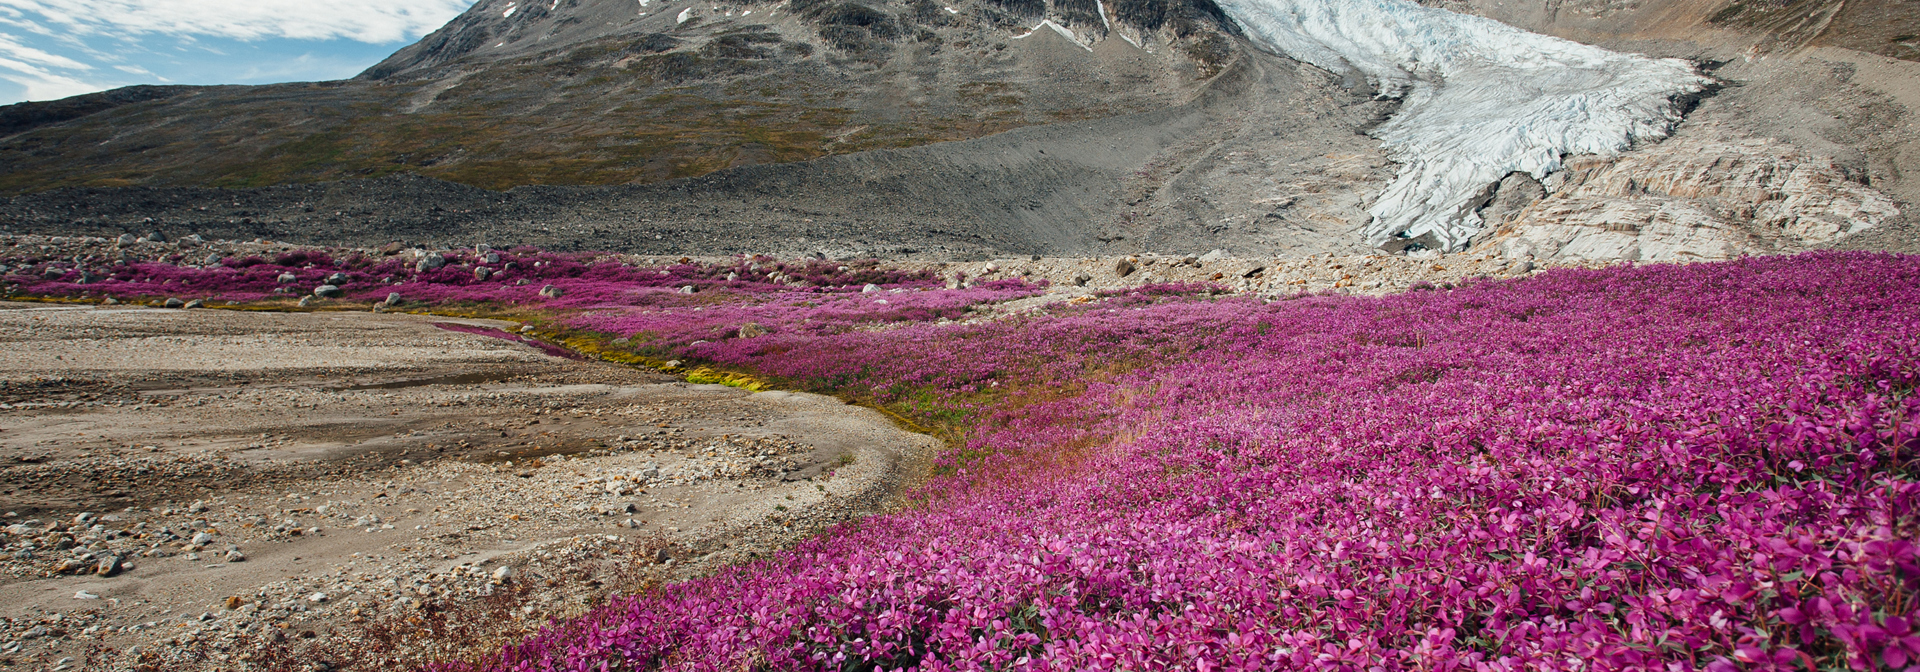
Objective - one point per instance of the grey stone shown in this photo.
(175, 303)
(287, 278)
(752, 330)
(393, 299)
(196, 303)
(328, 292)
(870, 288)
(127, 239)
(687, 289)
(1082, 279)
(1123, 268)
(552, 292)
(481, 273)
(336, 279)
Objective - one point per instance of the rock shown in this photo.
(732, 276)
(870, 288)
(1213, 256)
(990, 269)
(198, 506)
(1081, 280)
(157, 237)
(337, 279)
(481, 273)
(202, 539)
(317, 598)
(1520, 267)
(1705, 194)
(196, 303)
(236, 556)
(393, 299)
(84, 595)
(83, 518)
(306, 301)
(432, 262)
(127, 239)
(553, 292)
(492, 258)
(482, 248)
(502, 574)
(108, 567)
(212, 259)
(687, 289)
(1251, 272)
(752, 330)
(1123, 268)
(110, 301)
(328, 292)
(193, 238)
(175, 303)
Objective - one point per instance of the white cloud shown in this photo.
(10, 49)
(49, 86)
(372, 21)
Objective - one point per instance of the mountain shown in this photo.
(995, 127)
(589, 92)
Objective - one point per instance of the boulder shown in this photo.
(328, 292)
(1123, 268)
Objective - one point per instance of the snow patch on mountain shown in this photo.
(1480, 100)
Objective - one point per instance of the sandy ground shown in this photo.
(172, 479)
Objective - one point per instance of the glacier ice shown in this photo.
(1479, 99)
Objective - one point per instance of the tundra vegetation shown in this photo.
(1709, 466)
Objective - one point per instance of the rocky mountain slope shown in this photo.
(1134, 127)
(586, 92)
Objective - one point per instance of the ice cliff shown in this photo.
(1480, 100)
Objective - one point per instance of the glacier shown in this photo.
(1479, 100)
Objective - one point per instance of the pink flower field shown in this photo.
(1711, 466)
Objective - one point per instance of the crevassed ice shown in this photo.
(1481, 99)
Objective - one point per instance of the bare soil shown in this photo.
(256, 477)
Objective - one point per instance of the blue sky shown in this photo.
(56, 48)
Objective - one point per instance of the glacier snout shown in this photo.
(1480, 100)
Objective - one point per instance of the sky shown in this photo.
(52, 49)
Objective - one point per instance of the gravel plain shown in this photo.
(180, 485)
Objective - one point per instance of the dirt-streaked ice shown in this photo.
(1481, 99)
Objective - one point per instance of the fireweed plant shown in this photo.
(1713, 466)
